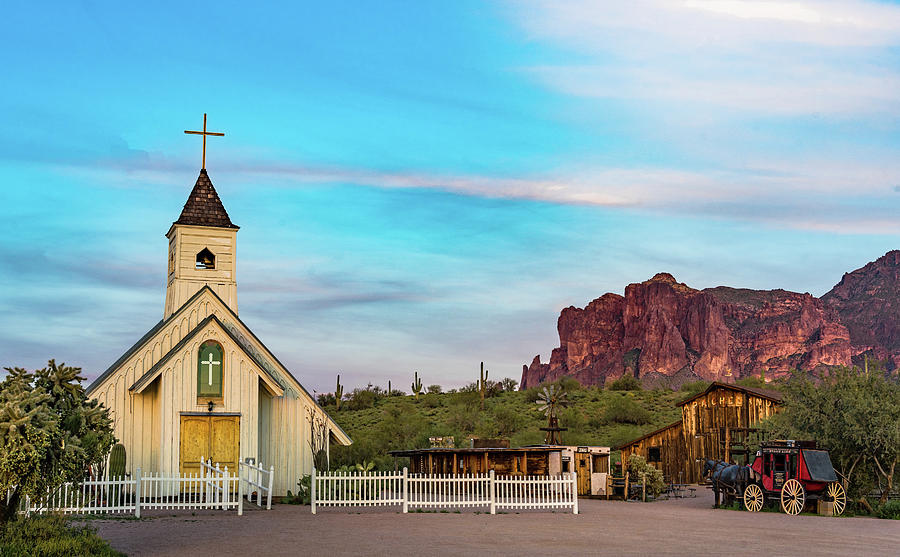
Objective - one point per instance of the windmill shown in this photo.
(550, 400)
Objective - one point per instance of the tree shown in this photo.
(855, 415)
(50, 433)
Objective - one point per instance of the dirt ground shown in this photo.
(675, 527)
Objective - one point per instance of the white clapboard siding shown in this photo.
(274, 427)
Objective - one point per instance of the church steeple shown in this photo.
(202, 249)
(203, 207)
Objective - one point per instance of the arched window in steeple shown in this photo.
(206, 259)
(210, 366)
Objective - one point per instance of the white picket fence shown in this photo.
(260, 478)
(213, 488)
(364, 489)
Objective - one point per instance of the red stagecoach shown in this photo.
(793, 472)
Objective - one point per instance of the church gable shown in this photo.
(220, 340)
(136, 368)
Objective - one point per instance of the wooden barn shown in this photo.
(719, 423)
(590, 463)
(664, 449)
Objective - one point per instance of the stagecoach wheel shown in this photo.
(838, 497)
(753, 498)
(793, 497)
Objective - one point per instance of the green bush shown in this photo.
(890, 510)
(51, 536)
(507, 420)
(569, 384)
(694, 387)
(625, 383)
(532, 394)
(360, 399)
(623, 410)
(752, 381)
(638, 468)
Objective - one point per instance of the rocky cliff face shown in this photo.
(665, 332)
(868, 303)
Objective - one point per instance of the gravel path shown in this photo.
(676, 527)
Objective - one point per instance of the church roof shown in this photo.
(203, 207)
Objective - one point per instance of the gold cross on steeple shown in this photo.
(204, 133)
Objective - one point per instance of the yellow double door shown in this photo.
(212, 437)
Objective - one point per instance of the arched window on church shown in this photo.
(210, 366)
(206, 259)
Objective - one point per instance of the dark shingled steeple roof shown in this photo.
(203, 207)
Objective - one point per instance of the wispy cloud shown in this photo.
(770, 57)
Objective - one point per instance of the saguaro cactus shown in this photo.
(417, 386)
(390, 392)
(482, 384)
(117, 461)
(338, 392)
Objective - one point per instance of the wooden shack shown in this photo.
(719, 423)
(590, 463)
(663, 449)
(525, 461)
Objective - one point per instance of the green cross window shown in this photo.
(209, 370)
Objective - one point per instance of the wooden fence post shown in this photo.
(493, 488)
(405, 490)
(574, 493)
(137, 493)
(269, 495)
(240, 491)
(312, 491)
(644, 487)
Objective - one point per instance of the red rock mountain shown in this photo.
(665, 332)
(868, 303)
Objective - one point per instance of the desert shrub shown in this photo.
(532, 394)
(625, 383)
(569, 384)
(463, 417)
(325, 399)
(890, 510)
(694, 387)
(509, 384)
(753, 382)
(360, 399)
(434, 389)
(573, 419)
(51, 536)
(303, 495)
(638, 468)
(623, 410)
(507, 420)
(470, 388)
(432, 400)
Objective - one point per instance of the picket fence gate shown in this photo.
(213, 488)
(366, 489)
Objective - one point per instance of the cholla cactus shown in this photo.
(417, 386)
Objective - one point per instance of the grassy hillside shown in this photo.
(379, 423)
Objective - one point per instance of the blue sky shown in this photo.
(423, 186)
